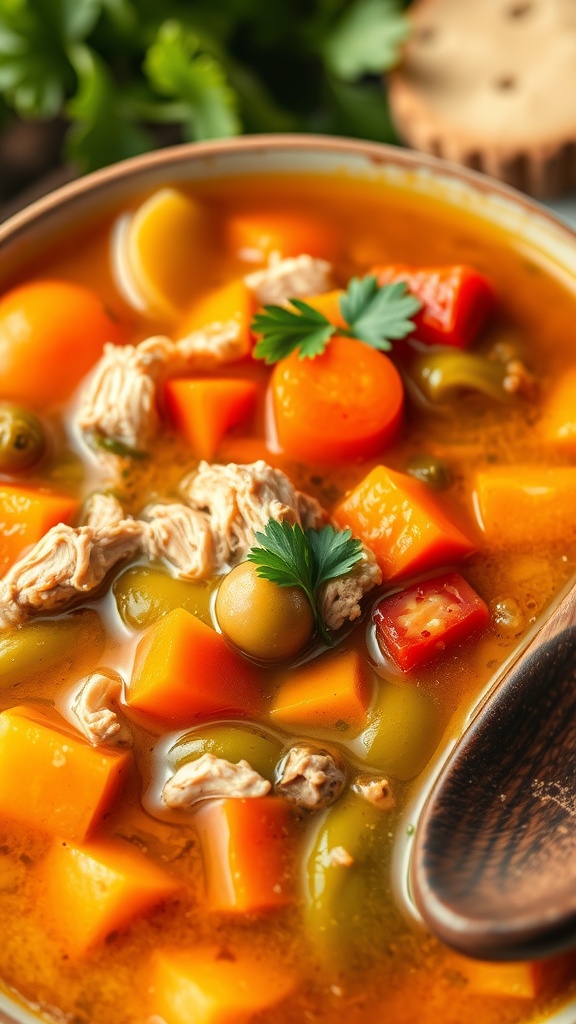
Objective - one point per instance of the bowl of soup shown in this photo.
(287, 466)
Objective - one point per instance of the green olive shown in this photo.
(405, 728)
(441, 375)
(231, 742)
(22, 440)
(262, 619)
(144, 594)
(75, 641)
(431, 471)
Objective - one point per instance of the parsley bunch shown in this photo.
(374, 314)
(292, 557)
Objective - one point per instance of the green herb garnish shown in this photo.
(376, 314)
(292, 557)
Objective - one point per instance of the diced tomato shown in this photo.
(421, 622)
(456, 301)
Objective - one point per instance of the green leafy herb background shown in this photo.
(121, 71)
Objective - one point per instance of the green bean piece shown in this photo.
(442, 375)
(143, 594)
(430, 470)
(405, 729)
(50, 644)
(22, 440)
(232, 742)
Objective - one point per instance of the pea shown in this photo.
(232, 742)
(144, 594)
(22, 440)
(46, 645)
(431, 471)
(404, 732)
(264, 620)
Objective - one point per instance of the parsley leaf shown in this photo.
(366, 39)
(283, 331)
(290, 557)
(378, 315)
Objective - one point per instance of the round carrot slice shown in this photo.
(345, 404)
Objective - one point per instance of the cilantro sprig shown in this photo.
(292, 557)
(375, 314)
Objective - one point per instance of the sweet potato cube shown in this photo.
(209, 985)
(51, 779)
(397, 517)
(25, 516)
(95, 889)
(559, 414)
(522, 980)
(523, 505)
(230, 301)
(329, 305)
(247, 853)
(204, 410)
(328, 693)
(184, 671)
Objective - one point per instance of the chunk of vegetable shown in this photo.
(46, 325)
(53, 780)
(329, 305)
(25, 516)
(207, 987)
(254, 236)
(331, 692)
(456, 301)
(204, 410)
(233, 743)
(144, 594)
(400, 520)
(521, 505)
(36, 648)
(405, 728)
(22, 440)
(92, 890)
(559, 415)
(520, 980)
(248, 853)
(418, 624)
(345, 404)
(185, 671)
(230, 301)
(441, 376)
(264, 620)
(430, 470)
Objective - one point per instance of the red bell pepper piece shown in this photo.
(419, 623)
(456, 301)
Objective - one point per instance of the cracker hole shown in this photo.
(520, 10)
(505, 84)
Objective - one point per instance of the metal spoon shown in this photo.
(493, 870)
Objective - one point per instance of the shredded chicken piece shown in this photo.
(339, 599)
(211, 777)
(68, 562)
(376, 790)
(311, 778)
(240, 500)
(339, 856)
(292, 278)
(95, 707)
(181, 535)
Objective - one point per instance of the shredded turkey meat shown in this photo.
(96, 708)
(68, 562)
(211, 777)
(292, 278)
(181, 535)
(310, 778)
(240, 500)
(340, 857)
(376, 790)
(339, 599)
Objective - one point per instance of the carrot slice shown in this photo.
(248, 857)
(204, 410)
(51, 334)
(330, 692)
(520, 505)
(208, 985)
(345, 404)
(25, 516)
(232, 301)
(254, 236)
(329, 304)
(184, 671)
(401, 522)
(92, 890)
(559, 415)
(51, 779)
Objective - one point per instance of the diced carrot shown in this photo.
(25, 516)
(397, 517)
(51, 334)
(559, 415)
(329, 305)
(51, 779)
(184, 671)
(521, 980)
(211, 985)
(345, 404)
(254, 236)
(92, 890)
(247, 852)
(520, 505)
(232, 301)
(203, 410)
(328, 692)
